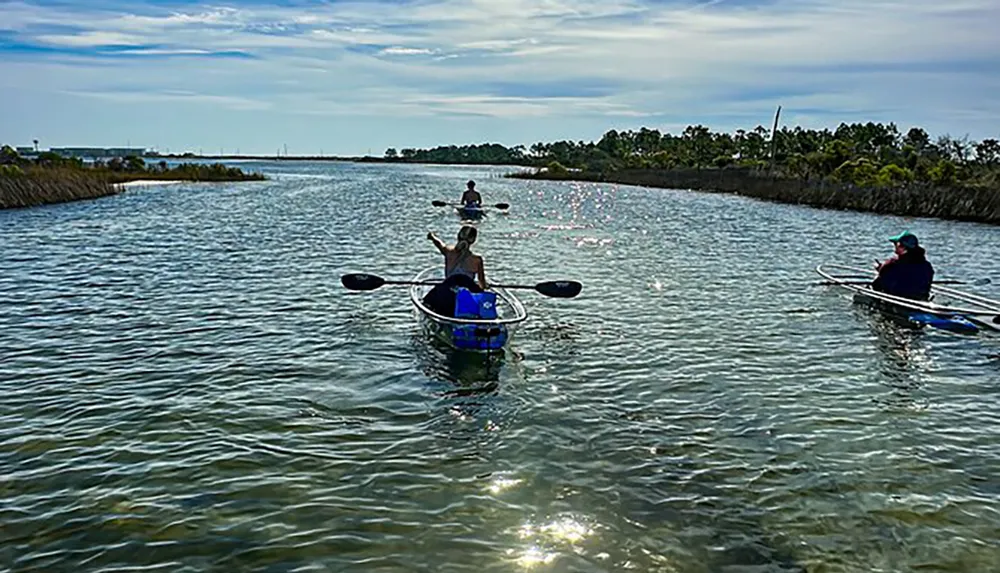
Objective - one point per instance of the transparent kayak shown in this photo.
(477, 335)
(948, 309)
(471, 212)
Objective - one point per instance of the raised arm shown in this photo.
(437, 243)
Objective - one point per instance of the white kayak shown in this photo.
(948, 309)
(473, 334)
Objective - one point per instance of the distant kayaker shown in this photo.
(908, 273)
(471, 197)
(462, 268)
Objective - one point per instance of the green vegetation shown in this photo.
(865, 167)
(870, 154)
(51, 178)
(484, 154)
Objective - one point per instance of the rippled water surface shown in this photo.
(185, 386)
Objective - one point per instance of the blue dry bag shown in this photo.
(470, 304)
(481, 305)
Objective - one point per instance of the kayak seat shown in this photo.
(441, 298)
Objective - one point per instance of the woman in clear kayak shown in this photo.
(462, 269)
(471, 197)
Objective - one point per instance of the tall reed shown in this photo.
(44, 186)
(978, 204)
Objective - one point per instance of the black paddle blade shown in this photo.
(502, 205)
(559, 289)
(439, 203)
(362, 281)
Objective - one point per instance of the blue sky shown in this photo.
(346, 77)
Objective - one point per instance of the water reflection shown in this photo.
(467, 386)
(248, 413)
(902, 360)
(470, 372)
(548, 540)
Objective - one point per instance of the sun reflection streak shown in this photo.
(534, 556)
(501, 484)
(565, 531)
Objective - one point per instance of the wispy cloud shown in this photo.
(512, 64)
(404, 51)
(90, 39)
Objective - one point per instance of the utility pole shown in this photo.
(774, 133)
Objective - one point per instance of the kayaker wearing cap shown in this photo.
(462, 268)
(907, 274)
(471, 197)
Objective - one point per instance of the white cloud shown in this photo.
(674, 60)
(91, 39)
(404, 51)
(217, 17)
(177, 96)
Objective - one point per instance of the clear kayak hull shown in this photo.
(476, 335)
(948, 309)
(470, 212)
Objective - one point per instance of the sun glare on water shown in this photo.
(545, 538)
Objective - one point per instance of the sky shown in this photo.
(355, 77)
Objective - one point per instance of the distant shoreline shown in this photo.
(955, 203)
(331, 158)
(50, 178)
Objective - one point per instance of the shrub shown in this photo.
(893, 175)
(556, 167)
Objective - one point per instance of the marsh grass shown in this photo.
(31, 185)
(44, 186)
(979, 204)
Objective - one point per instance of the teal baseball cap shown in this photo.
(907, 239)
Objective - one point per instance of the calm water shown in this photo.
(185, 386)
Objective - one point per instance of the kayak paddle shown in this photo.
(555, 289)
(977, 282)
(444, 204)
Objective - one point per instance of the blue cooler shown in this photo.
(478, 305)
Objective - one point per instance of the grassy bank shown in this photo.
(182, 172)
(911, 200)
(51, 186)
(53, 179)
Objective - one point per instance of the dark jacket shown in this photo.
(908, 276)
(441, 298)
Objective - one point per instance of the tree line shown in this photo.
(118, 169)
(865, 154)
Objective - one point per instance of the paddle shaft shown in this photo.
(446, 204)
(866, 282)
(366, 282)
(388, 282)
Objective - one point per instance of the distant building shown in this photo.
(25, 150)
(95, 152)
